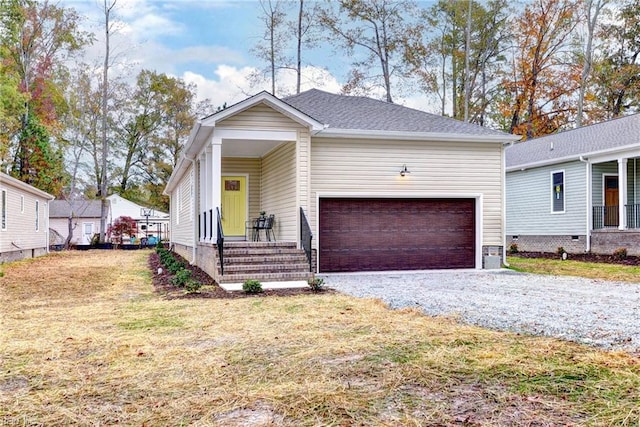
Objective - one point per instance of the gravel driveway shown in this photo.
(594, 312)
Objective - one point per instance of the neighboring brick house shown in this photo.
(578, 189)
(381, 186)
(24, 220)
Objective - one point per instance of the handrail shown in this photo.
(306, 236)
(220, 241)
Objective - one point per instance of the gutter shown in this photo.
(414, 136)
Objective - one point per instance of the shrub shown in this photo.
(620, 254)
(252, 286)
(192, 286)
(561, 251)
(175, 266)
(513, 249)
(181, 278)
(316, 284)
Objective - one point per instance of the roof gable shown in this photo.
(610, 136)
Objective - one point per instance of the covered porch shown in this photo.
(615, 194)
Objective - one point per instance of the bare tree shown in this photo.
(379, 28)
(591, 10)
(108, 6)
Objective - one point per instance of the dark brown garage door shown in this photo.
(396, 234)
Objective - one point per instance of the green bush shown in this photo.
(252, 286)
(316, 284)
(513, 249)
(192, 286)
(181, 277)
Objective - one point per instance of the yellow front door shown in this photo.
(234, 205)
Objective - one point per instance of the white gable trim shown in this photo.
(269, 100)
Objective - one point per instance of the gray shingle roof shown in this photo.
(81, 208)
(362, 113)
(617, 133)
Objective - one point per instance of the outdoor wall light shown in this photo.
(404, 170)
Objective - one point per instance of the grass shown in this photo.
(591, 270)
(86, 341)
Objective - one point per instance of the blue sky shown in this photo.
(205, 42)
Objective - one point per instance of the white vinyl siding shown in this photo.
(279, 190)
(528, 201)
(436, 168)
(182, 211)
(259, 117)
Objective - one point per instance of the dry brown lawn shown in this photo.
(85, 340)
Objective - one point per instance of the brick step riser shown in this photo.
(235, 253)
(234, 245)
(276, 259)
(256, 269)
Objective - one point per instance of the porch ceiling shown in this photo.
(247, 147)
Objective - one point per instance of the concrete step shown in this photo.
(259, 251)
(266, 277)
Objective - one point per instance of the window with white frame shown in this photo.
(37, 215)
(21, 204)
(557, 191)
(3, 202)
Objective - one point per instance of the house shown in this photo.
(85, 220)
(24, 217)
(578, 190)
(359, 184)
(150, 221)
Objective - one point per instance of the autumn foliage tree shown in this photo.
(122, 226)
(538, 93)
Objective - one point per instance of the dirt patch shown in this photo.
(585, 257)
(210, 289)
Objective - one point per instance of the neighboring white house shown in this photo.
(150, 221)
(578, 189)
(85, 220)
(24, 220)
(382, 186)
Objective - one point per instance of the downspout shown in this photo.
(589, 200)
(195, 210)
(504, 204)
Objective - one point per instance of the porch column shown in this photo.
(622, 194)
(206, 189)
(215, 181)
(202, 196)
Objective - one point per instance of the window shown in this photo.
(21, 204)
(37, 215)
(557, 192)
(4, 210)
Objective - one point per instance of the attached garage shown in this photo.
(381, 234)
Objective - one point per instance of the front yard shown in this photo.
(86, 340)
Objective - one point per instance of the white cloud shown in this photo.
(233, 84)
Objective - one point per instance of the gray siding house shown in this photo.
(578, 189)
(378, 186)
